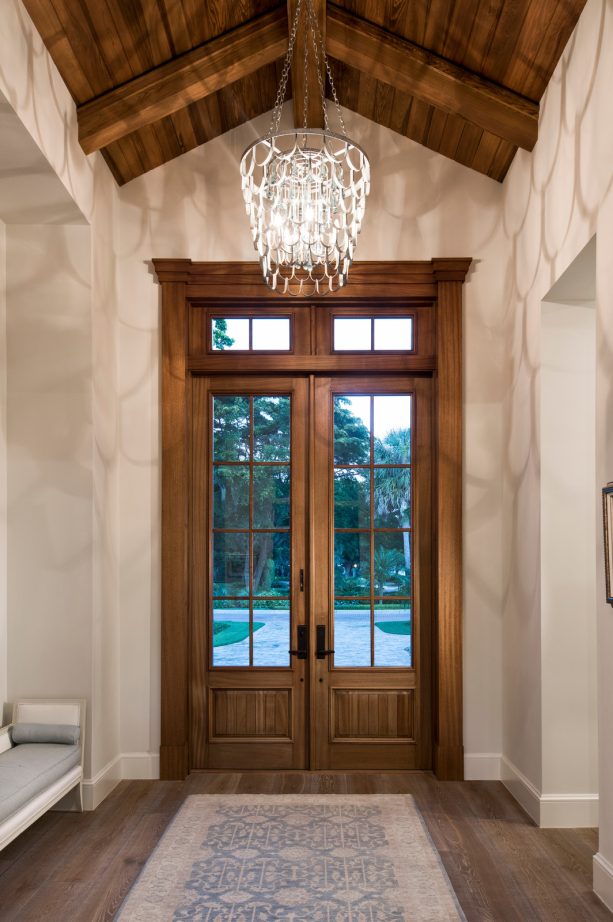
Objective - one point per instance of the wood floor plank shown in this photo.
(79, 867)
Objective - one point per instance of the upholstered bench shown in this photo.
(41, 762)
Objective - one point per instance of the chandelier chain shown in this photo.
(282, 89)
(318, 43)
(319, 54)
(305, 102)
(312, 23)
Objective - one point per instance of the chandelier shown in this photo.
(305, 190)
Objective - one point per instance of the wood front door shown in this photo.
(249, 703)
(311, 573)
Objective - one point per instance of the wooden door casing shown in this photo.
(433, 289)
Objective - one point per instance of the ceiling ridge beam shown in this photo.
(435, 80)
(183, 80)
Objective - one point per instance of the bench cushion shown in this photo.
(45, 733)
(28, 769)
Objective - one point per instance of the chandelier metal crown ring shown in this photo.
(305, 190)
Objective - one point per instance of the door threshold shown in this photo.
(311, 771)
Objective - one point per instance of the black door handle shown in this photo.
(302, 633)
(320, 635)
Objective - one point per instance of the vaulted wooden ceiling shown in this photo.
(155, 78)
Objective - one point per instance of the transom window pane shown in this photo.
(251, 526)
(373, 334)
(393, 334)
(270, 334)
(352, 333)
(231, 333)
(250, 334)
(373, 588)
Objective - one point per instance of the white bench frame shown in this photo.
(68, 788)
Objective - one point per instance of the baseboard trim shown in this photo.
(603, 880)
(100, 786)
(127, 766)
(137, 766)
(482, 766)
(521, 788)
(549, 811)
(569, 811)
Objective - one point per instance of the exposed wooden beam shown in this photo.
(179, 82)
(303, 40)
(424, 75)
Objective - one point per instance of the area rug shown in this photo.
(294, 858)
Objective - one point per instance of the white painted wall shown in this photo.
(555, 200)
(568, 549)
(421, 205)
(49, 413)
(3, 444)
(36, 94)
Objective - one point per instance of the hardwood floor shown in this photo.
(72, 867)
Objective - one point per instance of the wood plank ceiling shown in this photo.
(153, 79)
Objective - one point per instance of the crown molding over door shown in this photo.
(433, 287)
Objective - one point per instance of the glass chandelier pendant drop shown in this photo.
(305, 190)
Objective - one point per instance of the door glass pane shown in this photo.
(271, 639)
(372, 528)
(231, 428)
(392, 429)
(271, 428)
(392, 563)
(392, 497)
(393, 633)
(351, 430)
(231, 634)
(230, 333)
(352, 563)
(271, 496)
(352, 334)
(250, 523)
(271, 570)
(352, 634)
(230, 564)
(270, 333)
(351, 498)
(393, 334)
(231, 496)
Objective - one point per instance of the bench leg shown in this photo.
(72, 802)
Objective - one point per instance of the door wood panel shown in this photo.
(378, 714)
(240, 713)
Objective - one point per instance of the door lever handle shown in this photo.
(320, 650)
(302, 651)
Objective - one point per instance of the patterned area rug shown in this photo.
(294, 858)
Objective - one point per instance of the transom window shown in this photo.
(250, 334)
(372, 334)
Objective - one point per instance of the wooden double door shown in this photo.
(311, 531)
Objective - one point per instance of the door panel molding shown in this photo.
(435, 286)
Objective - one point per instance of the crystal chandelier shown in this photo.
(305, 190)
